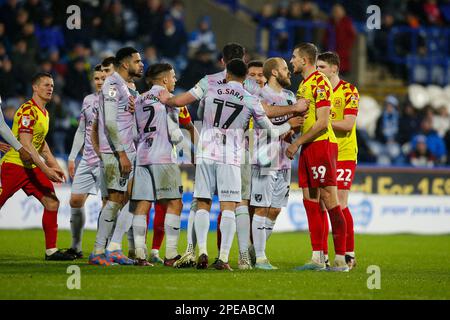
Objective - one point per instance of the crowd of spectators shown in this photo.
(405, 135)
(34, 37)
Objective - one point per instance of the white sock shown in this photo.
(228, 229)
(77, 220)
(269, 227)
(318, 257)
(351, 254)
(105, 225)
(154, 252)
(201, 226)
(172, 230)
(243, 228)
(139, 232)
(339, 259)
(191, 237)
(259, 236)
(50, 251)
(124, 221)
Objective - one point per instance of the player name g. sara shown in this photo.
(229, 91)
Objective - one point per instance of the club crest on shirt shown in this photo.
(112, 92)
(26, 120)
(258, 197)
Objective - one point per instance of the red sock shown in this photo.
(219, 235)
(315, 224)
(326, 230)
(50, 226)
(350, 242)
(158, 225)
(339, 231)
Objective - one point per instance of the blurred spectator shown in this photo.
(150, 57)
(59, 132)
(172, 42)
(15, 30)
(49, 35)
(28, 34)
(421, 156)
(408, 123)
(388, 123)
(386, 132)
(3, 54)
(340, 37)
(4, 41)
(441, 121)
(435, 144)
(35, 9)
(24, 65)
(150, 18)
(77, 81)
(177, 11)
(114, 22)
(57, 65)
(201, 64)
(8, 83)
(280, 26)
(8, 13)
(202, 36)
(267, 13)
(447, 145)
(432, 12)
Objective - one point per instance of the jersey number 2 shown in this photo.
(147, 127)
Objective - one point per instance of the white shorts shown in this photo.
(210, 175)
(157, 181)
(246, 177)
(113, 178)
(89, 179)
(270, 190)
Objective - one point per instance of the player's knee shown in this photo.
(76, 202)
(51, 203)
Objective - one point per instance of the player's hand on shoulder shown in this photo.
(25, 156)
(301, 106)
(71, 168)
(164, 96)
(4, 147)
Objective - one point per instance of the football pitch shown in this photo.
(411, 267)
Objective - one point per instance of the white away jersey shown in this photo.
(154, 144)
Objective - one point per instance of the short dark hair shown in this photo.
(332, 58)
(237, 68)
(124, 53)
(232, 51)
(37, 77)
(109, 60)
(255, 64)
(155, 70)
(309, 50)
(98, 67)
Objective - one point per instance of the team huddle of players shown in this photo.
(252, 127)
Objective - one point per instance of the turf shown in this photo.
(412, 267)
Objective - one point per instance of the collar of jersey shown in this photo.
(44, 111)
(235, 82)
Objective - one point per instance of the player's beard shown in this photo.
(135, 73)
(284, 82)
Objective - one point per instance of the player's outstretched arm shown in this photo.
(321, 124)
(299, 107)
(6, 134)
(77, 144)
(26, 140)
(177, 101)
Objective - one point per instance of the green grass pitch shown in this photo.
(412, 267)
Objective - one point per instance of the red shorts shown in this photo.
(317, 164)
(32, 181)
(345, 174)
